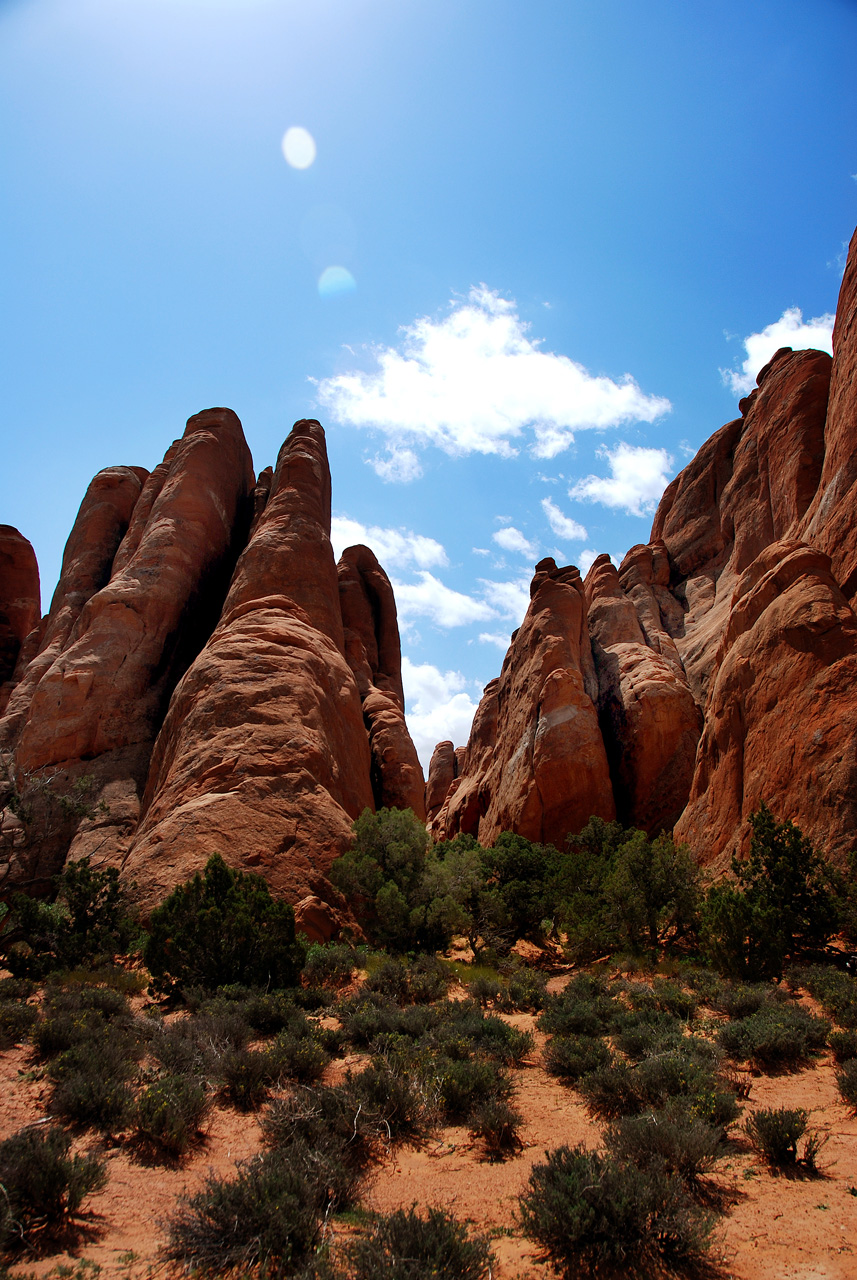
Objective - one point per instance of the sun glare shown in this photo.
(298, 147)
(334, 281)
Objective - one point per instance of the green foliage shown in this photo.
(495, 1123)
(16, 1020)
(246, 1075)
(332, 964)
(381, 875)
(265, 1220)
(407, 1246)
(653, 889)
(776, 1132)
(846, 1083)
(88, 921)
(585, 1007)
(571, 1057)
(91, 1084)
(836, 991)
(843, 1044)
(169, 1112)
(776, 1036)
(298, 1057)
(588, 1211)
(785, 902)
(223, 926)
(42, 1183)
(674, 1139)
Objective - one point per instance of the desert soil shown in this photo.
(774, 1227)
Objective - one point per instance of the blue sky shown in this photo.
(519, 282)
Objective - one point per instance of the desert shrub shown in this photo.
(486, 990)
(319, 1114)
(16, 1021)
(381, 875)
(182, 1048)
(836, 991)
(843, 1044)
(467, 1084)
(246, 1075)
(390, 979)
(742, 999)
(779, 1036)
(785, 902)
(42, 1183)
(571, 1057)
(222, 926)
(588, 1211)
(17, 988)
(674, 1139)
(645, 1031)
(776, 1132)
(462, 1028)
(428, 979)
(332, 964)
(495, 1123)
(168, 1113)
(673, 999)
(298, 1057)
(396, 1101)
(846, 1082)
(91, 1083)
(586, 1007)
(527, 990)
(365, 1017)
(266, 1219)
(408, 1246)
(223, 1024)
(269, 1012)
(706, 984)
(89, 920)
(612, 1090)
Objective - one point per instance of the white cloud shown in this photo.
(587, 559)
(439, 707)
(511, 539)
(789, 331)
(399, 466)
(430, 598)
(474, 382)
(638, 477)
(481, 551)
(562, 525)
(396, 548)
(499, 638)
(509, 599)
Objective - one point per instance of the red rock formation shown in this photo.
(647, 714)
(97, 708)
(466, 800)
(263, 756)
(374, 654)
(19, 602)
(546, 772)
(443, 768)
(87, 563)
(781, 718)
(830, 523)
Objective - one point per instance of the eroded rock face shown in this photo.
(546, 772)
(97, 708)
(20, 602)
(87, 564)
(263, 756)
(373, 651)
(781, 717)
(647, 714)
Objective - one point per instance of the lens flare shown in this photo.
(298, 147)
(334, 281)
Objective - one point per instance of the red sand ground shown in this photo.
(775, 1228)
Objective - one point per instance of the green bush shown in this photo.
(785, 902)
(590, 1212)
(220, 927)
(779, 1036)
(612, 1090)
(836, 991)
(381, 875)
(321, 1115)
(89, 920)
(467, 1084)
(168, 1113)
(741, 999)
(17, 1019)
(846, 1082)
(527, 990)
(645, 1031)
(266, 1219)
(298, 1057)
(496, 1124)
(246, 1075)
(43, 1185)
(408, 1246)
(585, 1007)
(843, 1044)
(332, 964)
(776, 1133)
(673, 1139)
(571, 1057)
(91, 1084)
(397, 1102)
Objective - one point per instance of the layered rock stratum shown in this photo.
(208, 679)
